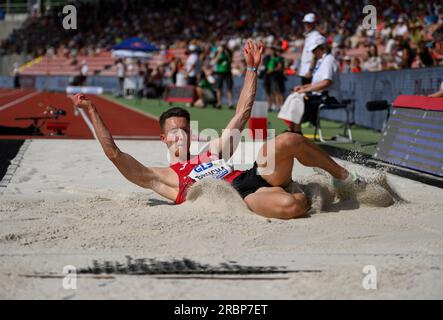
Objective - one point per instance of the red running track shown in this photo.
(124, 123)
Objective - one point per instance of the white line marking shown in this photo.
(144, 113)
(10, 92)
(13, 103)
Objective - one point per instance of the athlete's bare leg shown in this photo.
(277, 203)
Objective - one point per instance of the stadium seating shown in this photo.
(104, 63)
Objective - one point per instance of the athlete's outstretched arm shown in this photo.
(129, 167)
(226, 145)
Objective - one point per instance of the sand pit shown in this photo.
(67, 205)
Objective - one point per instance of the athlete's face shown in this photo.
(176, 134)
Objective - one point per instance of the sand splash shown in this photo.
(215, 196)
(378, 192)
(211, 194)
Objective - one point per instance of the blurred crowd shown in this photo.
(402, 39)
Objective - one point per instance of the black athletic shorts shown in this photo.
(249, 182)
(191, 81)
(278, 83)
(220, 78)
(267, 84)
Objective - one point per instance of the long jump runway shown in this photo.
(123, 123)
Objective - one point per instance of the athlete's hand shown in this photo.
(81, 102)
(253, 53)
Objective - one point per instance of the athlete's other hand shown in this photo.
(81, 102)
(253, 53)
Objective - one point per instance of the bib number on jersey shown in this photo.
(216, 169)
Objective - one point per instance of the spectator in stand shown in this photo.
(273, 76)
(424, 55)
(339, 38)
(386, 31)
(153, 83)
(359, 38)
(175, 65)
(438, 39)
(192, 65)
(266, 76)
(276, 67)
(84, 69)
(36, 9)
(205, 93)
(203, 22)
(390, 46)
(158, 80)
(370, 36)
(346, 64)
(355, 65)
(121, 75)
(140, 87)
(223, 74)
(404, 56)
(373, 61)
(16, 75)
(401, 28)
(307, 58)
(417, 33)
(290, 68)
(150, 90)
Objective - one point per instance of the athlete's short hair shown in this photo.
(174, 112)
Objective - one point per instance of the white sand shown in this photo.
(67, 205)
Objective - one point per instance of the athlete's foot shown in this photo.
(353, 180)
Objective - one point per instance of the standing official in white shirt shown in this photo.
(192, 65)
(307, 58)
